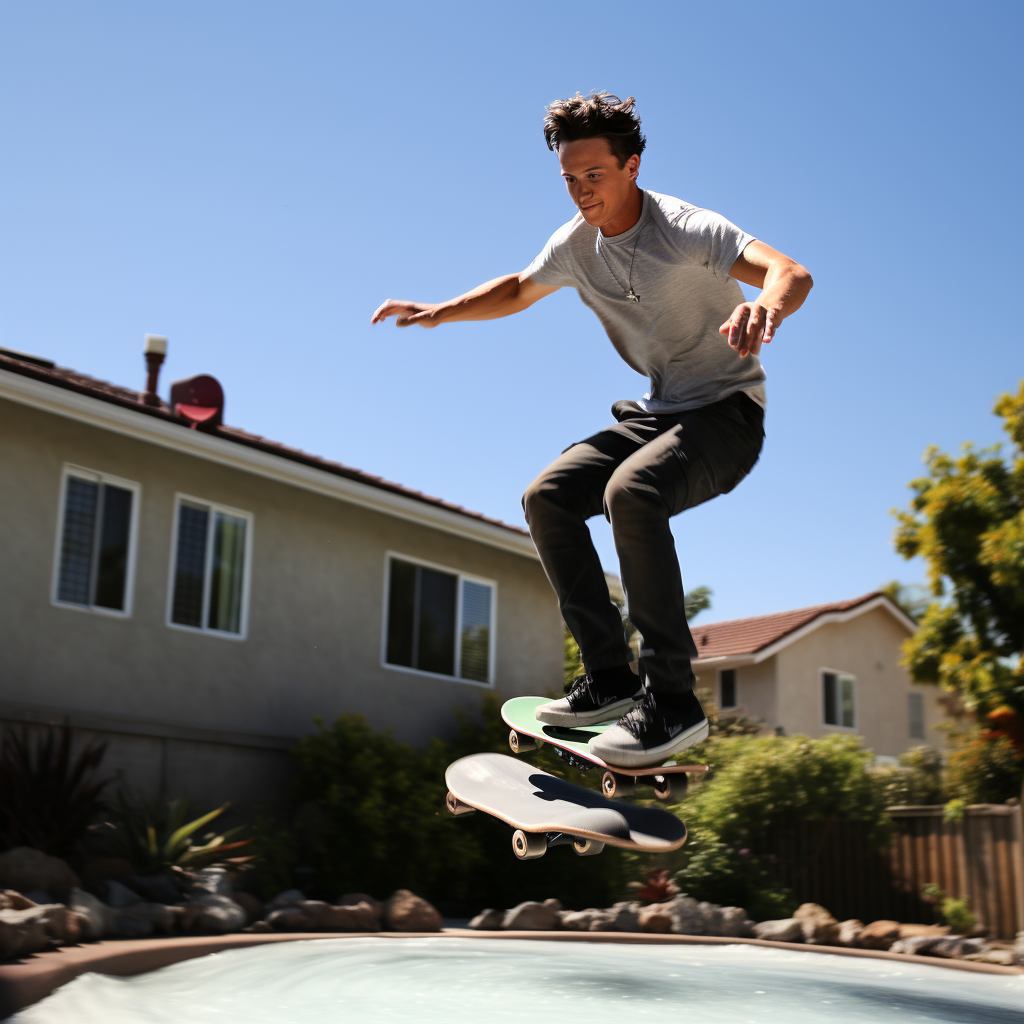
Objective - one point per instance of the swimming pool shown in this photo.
(459, 980)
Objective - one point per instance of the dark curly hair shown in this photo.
(599, 115)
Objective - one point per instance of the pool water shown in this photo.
(458, 980)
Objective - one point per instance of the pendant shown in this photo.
(632, 296)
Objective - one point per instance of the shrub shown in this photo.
(47, 797)
(156, 834)
(916, 780)
(983, 770)
(956, 912)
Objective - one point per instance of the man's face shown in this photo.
(599, 187)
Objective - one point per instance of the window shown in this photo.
(210, 567)
(915, 713)
(96, 541)
(727, 687)
(838, 699)
(439, 621)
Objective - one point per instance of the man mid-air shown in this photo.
(661, 275)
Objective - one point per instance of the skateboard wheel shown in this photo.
(528, 845)
(456, 806)
(613, 785)
(587, 847)
(663, 787)
(520, 744)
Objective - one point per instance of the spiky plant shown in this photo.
(48, 797)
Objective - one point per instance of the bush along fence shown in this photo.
(973, 853)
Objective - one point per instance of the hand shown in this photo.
(406, 313)
(749, 326)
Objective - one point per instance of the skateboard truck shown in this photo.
(665, 787)
(520, 744)
(531, 845)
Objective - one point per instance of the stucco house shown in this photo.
(830, 668)
(196, 594)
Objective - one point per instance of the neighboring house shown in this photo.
(198, 596)
(831, 668)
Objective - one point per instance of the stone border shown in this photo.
(32, 978)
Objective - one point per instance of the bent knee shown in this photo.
(625, 494)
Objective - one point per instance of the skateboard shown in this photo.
(546, 811)
(571, 746)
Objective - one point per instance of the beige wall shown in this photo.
(316, 603)
(755, 690)
(867, 647)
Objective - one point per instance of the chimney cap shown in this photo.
(156, 344)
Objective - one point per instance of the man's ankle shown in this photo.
(618, 677)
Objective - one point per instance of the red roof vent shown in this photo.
(199, 401)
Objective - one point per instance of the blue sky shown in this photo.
(253, 179)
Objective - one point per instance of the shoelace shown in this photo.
(581, 687)
(641, 716)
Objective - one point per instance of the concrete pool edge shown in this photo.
(35, 977)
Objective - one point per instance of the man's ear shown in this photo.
(633, 166)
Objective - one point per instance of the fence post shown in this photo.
(1017, 860)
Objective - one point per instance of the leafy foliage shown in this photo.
(916, 780)
(156, 834)
(956, 912)
(967, 521)
(47, 796)
(371, 818)
(983, 769)
(656, 887)
(911, 598)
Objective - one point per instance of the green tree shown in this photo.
(967, 521)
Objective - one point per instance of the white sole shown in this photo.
(567, 720)
(652, 755)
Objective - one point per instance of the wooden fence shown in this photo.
(980, 857)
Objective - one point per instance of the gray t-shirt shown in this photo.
(680, 271)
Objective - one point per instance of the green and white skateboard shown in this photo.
(571, 746)
(547, 811)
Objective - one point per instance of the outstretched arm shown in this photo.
(501, 297)
(784, 285)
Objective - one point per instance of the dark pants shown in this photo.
(639, 473)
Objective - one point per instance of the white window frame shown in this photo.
(460, 576)
(83, 473)
(839, 674)
(736, 688)
(213, 507)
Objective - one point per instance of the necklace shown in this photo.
(630, 294)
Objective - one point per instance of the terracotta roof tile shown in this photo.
(748, 636)
(71, 380)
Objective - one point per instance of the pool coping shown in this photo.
(32, 978)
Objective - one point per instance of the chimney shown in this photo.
(155, 349)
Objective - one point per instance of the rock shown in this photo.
(287, 897)
(97, 917)
(117, 895)
(250, 904)
(213, 881)
(220, 914)
(488, 920)
(1001, 955)
(325, 918)
(23, 932)
(258, 927)
(655, 918)
(11, 900)
(819, 926)
(956, 947)
(39, 898)
(162, 917)
(1018, 949)
(579, 920)
(878, 935)
(106, 868)
(350, 899)
(531, 917)
(909, 930)
(24, 869)
(555, 905)
(687, 918)
(735, 924)
(712, 917)
(620, 917)
(128, 927)
(849, 931)
(406, 912)
(788, 929)
(289, 919)
(155, 888)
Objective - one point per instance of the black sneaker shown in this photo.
(657, 728)
(594, 698)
